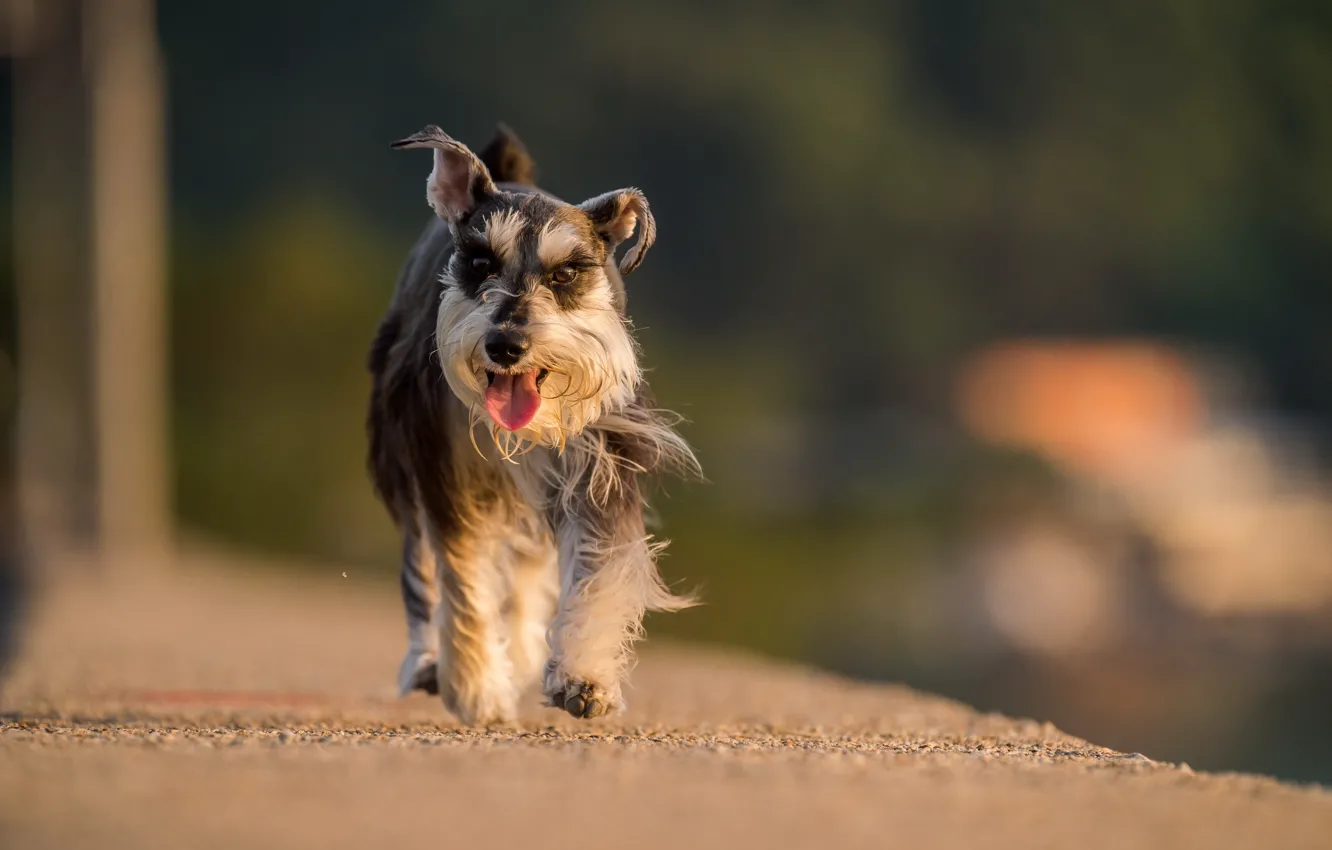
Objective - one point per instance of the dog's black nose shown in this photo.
(507, 347)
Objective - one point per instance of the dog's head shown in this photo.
(531, 330)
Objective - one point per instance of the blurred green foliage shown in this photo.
(852, 197)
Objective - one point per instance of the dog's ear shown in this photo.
(615, 214)
(506, 157)
(459, 181)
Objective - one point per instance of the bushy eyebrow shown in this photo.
(503, 231)
(557, 243)
(579, 258)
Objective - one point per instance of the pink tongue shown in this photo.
(513, 400)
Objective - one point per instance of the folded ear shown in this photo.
(459, 181)
(615, 214)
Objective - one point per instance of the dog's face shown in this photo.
(531, 332)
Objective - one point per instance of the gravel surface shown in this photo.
(217, 707)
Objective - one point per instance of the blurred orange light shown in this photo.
(1101, 408)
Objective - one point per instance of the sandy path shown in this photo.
(217, 711)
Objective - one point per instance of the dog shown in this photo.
(511, 433)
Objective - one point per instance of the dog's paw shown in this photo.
(581, 698)
(479, 703)
(427, 679)
(418, 673)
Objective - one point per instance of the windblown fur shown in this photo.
(510, 431)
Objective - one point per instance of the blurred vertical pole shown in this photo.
(129, 277)
(54, 436)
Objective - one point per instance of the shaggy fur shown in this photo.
(525, 555)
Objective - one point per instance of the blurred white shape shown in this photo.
(1047, 594)
(1243, 530)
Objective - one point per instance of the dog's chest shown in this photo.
(532, 476)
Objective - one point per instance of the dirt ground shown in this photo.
(213, 706)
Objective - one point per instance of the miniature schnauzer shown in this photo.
(510, 428)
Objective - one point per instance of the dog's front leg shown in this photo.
(608, 579)
(475, 673)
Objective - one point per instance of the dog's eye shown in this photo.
(481, 265)
(564, 274)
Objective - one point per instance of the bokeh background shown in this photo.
(1004, 330)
